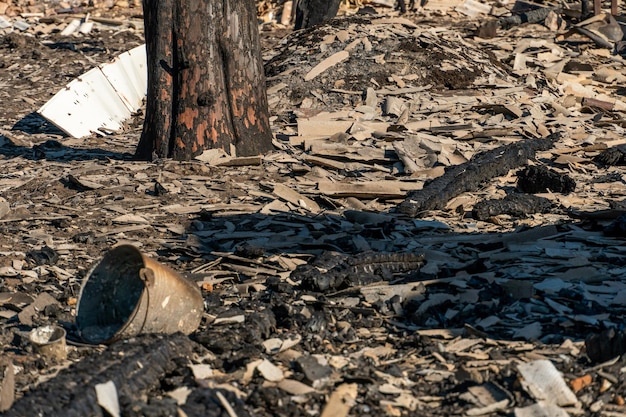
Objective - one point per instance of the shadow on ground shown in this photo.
(467, 285)
(51, 149)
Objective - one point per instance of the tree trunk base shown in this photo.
(206, 87)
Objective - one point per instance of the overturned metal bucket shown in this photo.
(127, 293)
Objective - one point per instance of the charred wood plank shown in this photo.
(471, 175)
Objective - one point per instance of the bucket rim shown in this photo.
(120, 331)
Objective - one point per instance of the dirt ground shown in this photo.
(320, 296)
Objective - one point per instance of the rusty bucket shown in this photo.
(127, 293)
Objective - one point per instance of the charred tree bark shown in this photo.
(206, 87)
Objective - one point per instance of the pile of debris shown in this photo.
(439, 231)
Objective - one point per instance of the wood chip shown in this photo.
(340, 401)
(294, 387)
(377, 189)
(296, 198)
(107, 398)
(7, 384)
(270, 371)
(327, 63)
(131, 219)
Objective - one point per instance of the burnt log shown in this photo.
(531, 16)
(471, 175)
(341, 271)
(489, 29)
(540, 179)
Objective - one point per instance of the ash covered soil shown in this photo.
(331, 303)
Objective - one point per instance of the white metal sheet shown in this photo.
(102, 98)
(128, 75)
(87, 104)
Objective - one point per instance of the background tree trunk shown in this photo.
(313, 12)
(206, 87)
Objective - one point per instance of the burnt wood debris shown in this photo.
(518, 205)
(134, 367)
(437, 227)
(540, 179)
(336, 271)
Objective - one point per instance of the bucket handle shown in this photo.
(148, 278)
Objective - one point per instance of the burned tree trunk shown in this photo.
(206, 87)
